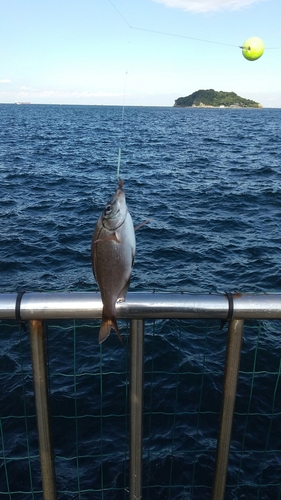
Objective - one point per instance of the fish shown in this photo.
(113, 253)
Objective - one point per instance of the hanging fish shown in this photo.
(113, 252)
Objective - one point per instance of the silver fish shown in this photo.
(113, 252)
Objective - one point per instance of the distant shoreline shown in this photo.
(32, 104)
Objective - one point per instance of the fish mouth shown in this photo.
(120, 184)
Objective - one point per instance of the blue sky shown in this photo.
(136, 52)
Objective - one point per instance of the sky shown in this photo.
(136, 52)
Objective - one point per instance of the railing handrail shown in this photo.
(39, 306)
(88, 305)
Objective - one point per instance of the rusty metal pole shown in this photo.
(136, 408)
(232, 362)
(39, 365)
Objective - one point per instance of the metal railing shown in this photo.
(234, 308)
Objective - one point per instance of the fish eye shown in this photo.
(108, 209)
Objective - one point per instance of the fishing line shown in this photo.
(166, 33)
(121, 131)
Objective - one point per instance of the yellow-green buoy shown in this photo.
(253, 48)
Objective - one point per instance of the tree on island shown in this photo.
(212, 98)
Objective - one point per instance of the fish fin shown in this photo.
(142, 224)
(122, 294)
(114, 324)
(105, 328)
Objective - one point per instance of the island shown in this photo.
(214, 99)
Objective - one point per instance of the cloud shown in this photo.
(5, 80)
(207, 5)
(26, 89)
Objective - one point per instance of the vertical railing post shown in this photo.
(39, 365)
(231, 371)
(136, 408)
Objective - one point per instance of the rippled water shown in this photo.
(210, 180)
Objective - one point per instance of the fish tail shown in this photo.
(105, 328)
(114, 324)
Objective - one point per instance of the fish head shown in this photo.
(115, 211)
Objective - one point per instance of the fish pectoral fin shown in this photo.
(142, 224)
(105, 328)
(108, 238)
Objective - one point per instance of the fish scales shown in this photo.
(113, 252)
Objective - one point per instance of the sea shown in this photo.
(209, 181)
